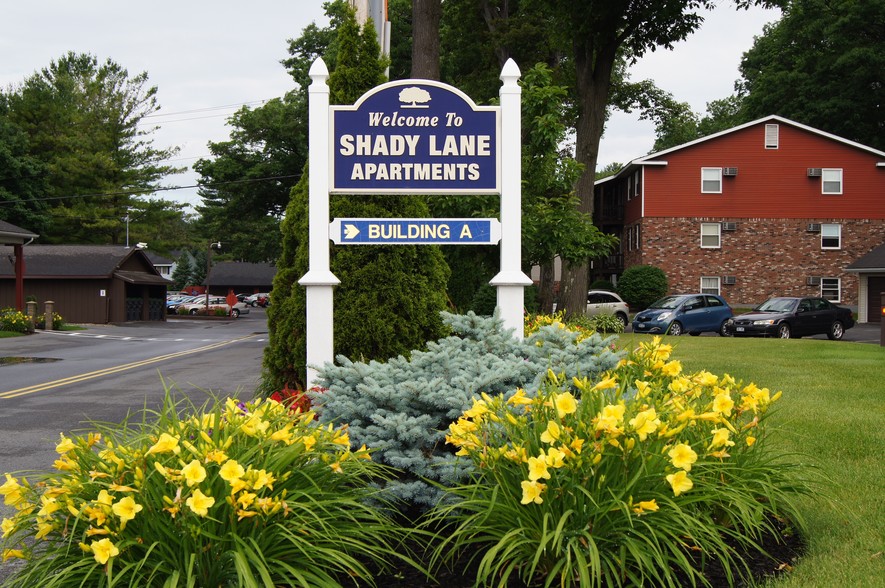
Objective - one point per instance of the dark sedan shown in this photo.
(789, 317)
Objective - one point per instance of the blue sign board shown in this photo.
(415, 137)
(415, 231)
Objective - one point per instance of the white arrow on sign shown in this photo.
(350, 231)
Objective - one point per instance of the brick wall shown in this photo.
(768, 257)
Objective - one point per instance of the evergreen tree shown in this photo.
(83, 123)
(390, 297)
(184, 271)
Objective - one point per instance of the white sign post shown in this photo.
(411, 137)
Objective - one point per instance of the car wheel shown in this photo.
(193, 311)
(675, 329)
(235, 313)
(253, 304)
(623, 318)
(783, 331)
(836, 331)
(723, 330)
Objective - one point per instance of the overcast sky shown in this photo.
(209, 58)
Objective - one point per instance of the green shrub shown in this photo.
(640, 285)
(603, 322)
(635, 478)
(15, 321)
(236, 494)
(401, 408)
(486, 299)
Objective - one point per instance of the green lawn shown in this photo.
(832, 413)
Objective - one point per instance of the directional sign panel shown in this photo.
(415, 231)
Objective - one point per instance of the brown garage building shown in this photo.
(88, 283)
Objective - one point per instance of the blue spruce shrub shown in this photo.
(402, 408)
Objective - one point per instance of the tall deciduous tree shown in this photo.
(389, 299)
(599, 32)
(85, 122)
(822, 65)
(425, 38)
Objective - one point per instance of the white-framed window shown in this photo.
(629, 239)
(831, 289)
(772, 138)
(629, 187)
(636, 182)
(831, 236)
(831, 181)
(637, 237)
(711, 235)
(710, 284)
(711, 180)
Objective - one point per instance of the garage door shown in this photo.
(875, 287)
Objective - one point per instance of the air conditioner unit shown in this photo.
(812, 280)
(729, 280)
(813, 228)
(729, 171)
(814, 172)
(729, 226)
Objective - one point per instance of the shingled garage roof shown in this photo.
(13, 235)
(874, 261)
(84, 261)
(226, 273)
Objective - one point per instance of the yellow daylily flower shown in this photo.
(64, 445)
(680, 482)
(610, 418)
(7, 554)
(645, 423)
(231, 470)
(531, 492)
(193, 473)
(555, 458)
(12, 491)
(723, 403)
(104, 550)
(672, 368)
(642, 389)
(7, 526)
(165, 444)
(478, 409)
(126, 508)
(720, 439)
(565, 403)
(682, 456)
(200, 503)
(538, 468)
(552, 433)
(519, 398)
(645, 506)
(104, 498)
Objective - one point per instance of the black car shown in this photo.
(789, 317)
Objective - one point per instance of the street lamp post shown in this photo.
(208, 265)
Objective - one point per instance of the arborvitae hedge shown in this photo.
(401, 408)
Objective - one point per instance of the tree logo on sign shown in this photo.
(414, 95)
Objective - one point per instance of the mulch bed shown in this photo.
(781, 552)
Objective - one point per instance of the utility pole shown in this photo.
(209, 265)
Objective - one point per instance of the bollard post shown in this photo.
(47, 315)
(31, 306)
(882, 319)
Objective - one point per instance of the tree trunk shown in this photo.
(545, 287)
(425, 38)
(594, 71)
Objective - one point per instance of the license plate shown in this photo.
(740, 329)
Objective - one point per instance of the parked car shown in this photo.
(788, 317)
(261, 299)
(605, 302)
(173, 302)
(215, 302)
(685, 313)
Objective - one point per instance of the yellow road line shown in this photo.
(114, 369)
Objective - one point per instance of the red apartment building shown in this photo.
(768, 208)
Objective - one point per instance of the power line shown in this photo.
(152, 190)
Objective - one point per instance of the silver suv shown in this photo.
(605, 302)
